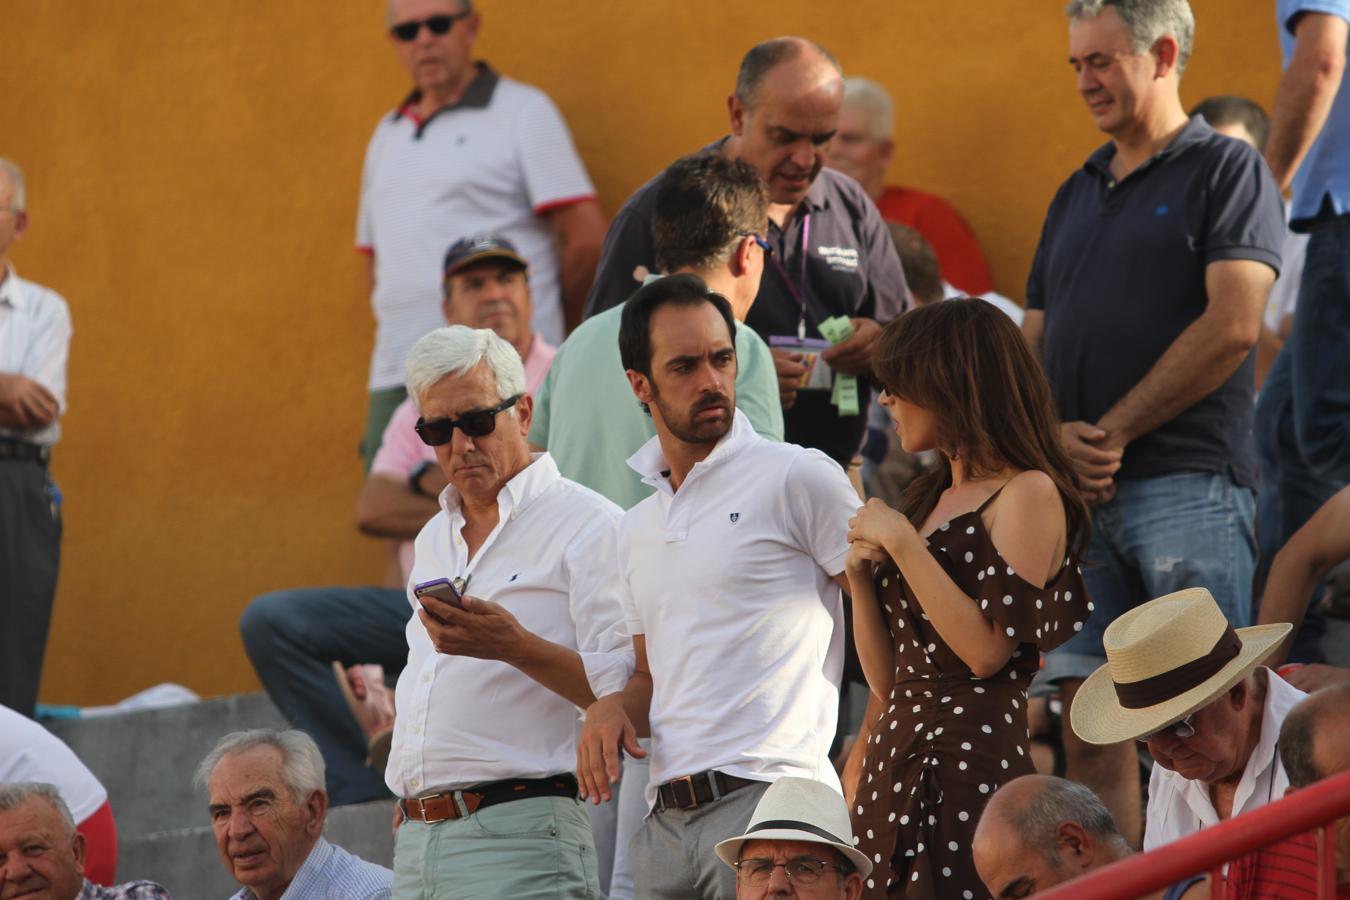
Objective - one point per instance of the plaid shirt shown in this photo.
(331, 873)
(132, 890)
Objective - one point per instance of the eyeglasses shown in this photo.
(479, 423)
(438, 25)
(763, 244)
(803, 870)
(1179, 730)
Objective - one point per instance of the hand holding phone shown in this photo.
(442, 589)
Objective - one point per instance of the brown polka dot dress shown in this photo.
(948, 739)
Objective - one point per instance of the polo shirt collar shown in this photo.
(650, 462)
(517, 493)
(477, 95)
(1196, 130)
(10, 294)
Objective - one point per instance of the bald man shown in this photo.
(1039, 831)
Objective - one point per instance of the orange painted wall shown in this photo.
(193, 175)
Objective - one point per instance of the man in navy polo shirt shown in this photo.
(832, 254)
(1145, 298)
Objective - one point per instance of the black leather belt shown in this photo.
(696, 790)
(433, 808)
(15, 449)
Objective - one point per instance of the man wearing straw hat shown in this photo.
(799, 844)
(1181, 680)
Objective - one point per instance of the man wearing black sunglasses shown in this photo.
(467, 151)
(485, 738)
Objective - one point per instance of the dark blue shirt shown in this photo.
(851, 269)
(1120, 273)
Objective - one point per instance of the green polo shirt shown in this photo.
(586, 417)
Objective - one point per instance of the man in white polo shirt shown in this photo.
(488, 703)
(730, 572)
(467, 151)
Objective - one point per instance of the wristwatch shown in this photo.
(415, 478)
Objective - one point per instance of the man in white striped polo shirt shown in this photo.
(468, 151)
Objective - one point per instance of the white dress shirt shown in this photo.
(551, 561)
(34, 341)
(1178, 806)
(730, 581)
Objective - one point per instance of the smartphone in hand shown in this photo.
(441, 589)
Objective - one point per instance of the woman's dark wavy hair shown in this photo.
(965, 361)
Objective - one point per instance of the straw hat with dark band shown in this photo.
(1165, 660)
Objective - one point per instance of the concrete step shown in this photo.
(146, 759)
(187, 862)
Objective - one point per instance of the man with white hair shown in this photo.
(34, 344)
(862, 149)
(526, 630)
(268, 807)
(42, 855)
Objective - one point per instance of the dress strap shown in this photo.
(992, 498)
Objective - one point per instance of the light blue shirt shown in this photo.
(1325, 172)
(331, 873)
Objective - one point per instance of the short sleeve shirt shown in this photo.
(1323, 178)
(495, 161)
(1120, 273)
(836, 255)
(34, 342)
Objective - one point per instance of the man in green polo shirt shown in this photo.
(710, 216)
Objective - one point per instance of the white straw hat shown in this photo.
(799, 809)
(1165, 660)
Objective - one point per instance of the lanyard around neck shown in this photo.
(797, 288)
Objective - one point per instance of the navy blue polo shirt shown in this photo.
(1120, 273)
(851, 269)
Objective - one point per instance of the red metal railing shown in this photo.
(1317, 806)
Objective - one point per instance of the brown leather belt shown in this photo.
(433, 808)
(696, 790)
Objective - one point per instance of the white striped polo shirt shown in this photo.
(493, 162)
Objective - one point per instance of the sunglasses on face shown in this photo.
(1179, 730)
(763, 244)
(479, 423)
(437, 25)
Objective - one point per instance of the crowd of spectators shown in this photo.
(763, 579)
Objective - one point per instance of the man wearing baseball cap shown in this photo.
(799, 844)
(1181, 680)
(293, 636)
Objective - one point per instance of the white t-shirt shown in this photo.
(493, 163)
(29, 752)
(730, 581)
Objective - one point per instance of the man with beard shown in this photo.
(729, 578)
(832, 254)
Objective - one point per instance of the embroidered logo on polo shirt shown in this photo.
(841, 259)
(735, 517)
(513, 578)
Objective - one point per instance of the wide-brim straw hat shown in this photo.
(799, 809)
(1165, 660)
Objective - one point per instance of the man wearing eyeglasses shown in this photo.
(832, 253)
(34, 344)
(487, 725)
(293, 636)
(467, 151)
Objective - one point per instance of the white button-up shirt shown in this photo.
(34, 341)
(551, 562)
(1178, 806)
(730, 581)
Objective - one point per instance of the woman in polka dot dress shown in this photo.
(954, 595)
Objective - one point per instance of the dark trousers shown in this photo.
(294, 637)
(30, 554)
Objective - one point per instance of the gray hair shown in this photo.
(871, 99)
(766, 56)
(301, 762)
(17, 793)
(456, 349)
(1061, 800)
(465, 7)
(19, 203)
(1147, 21)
